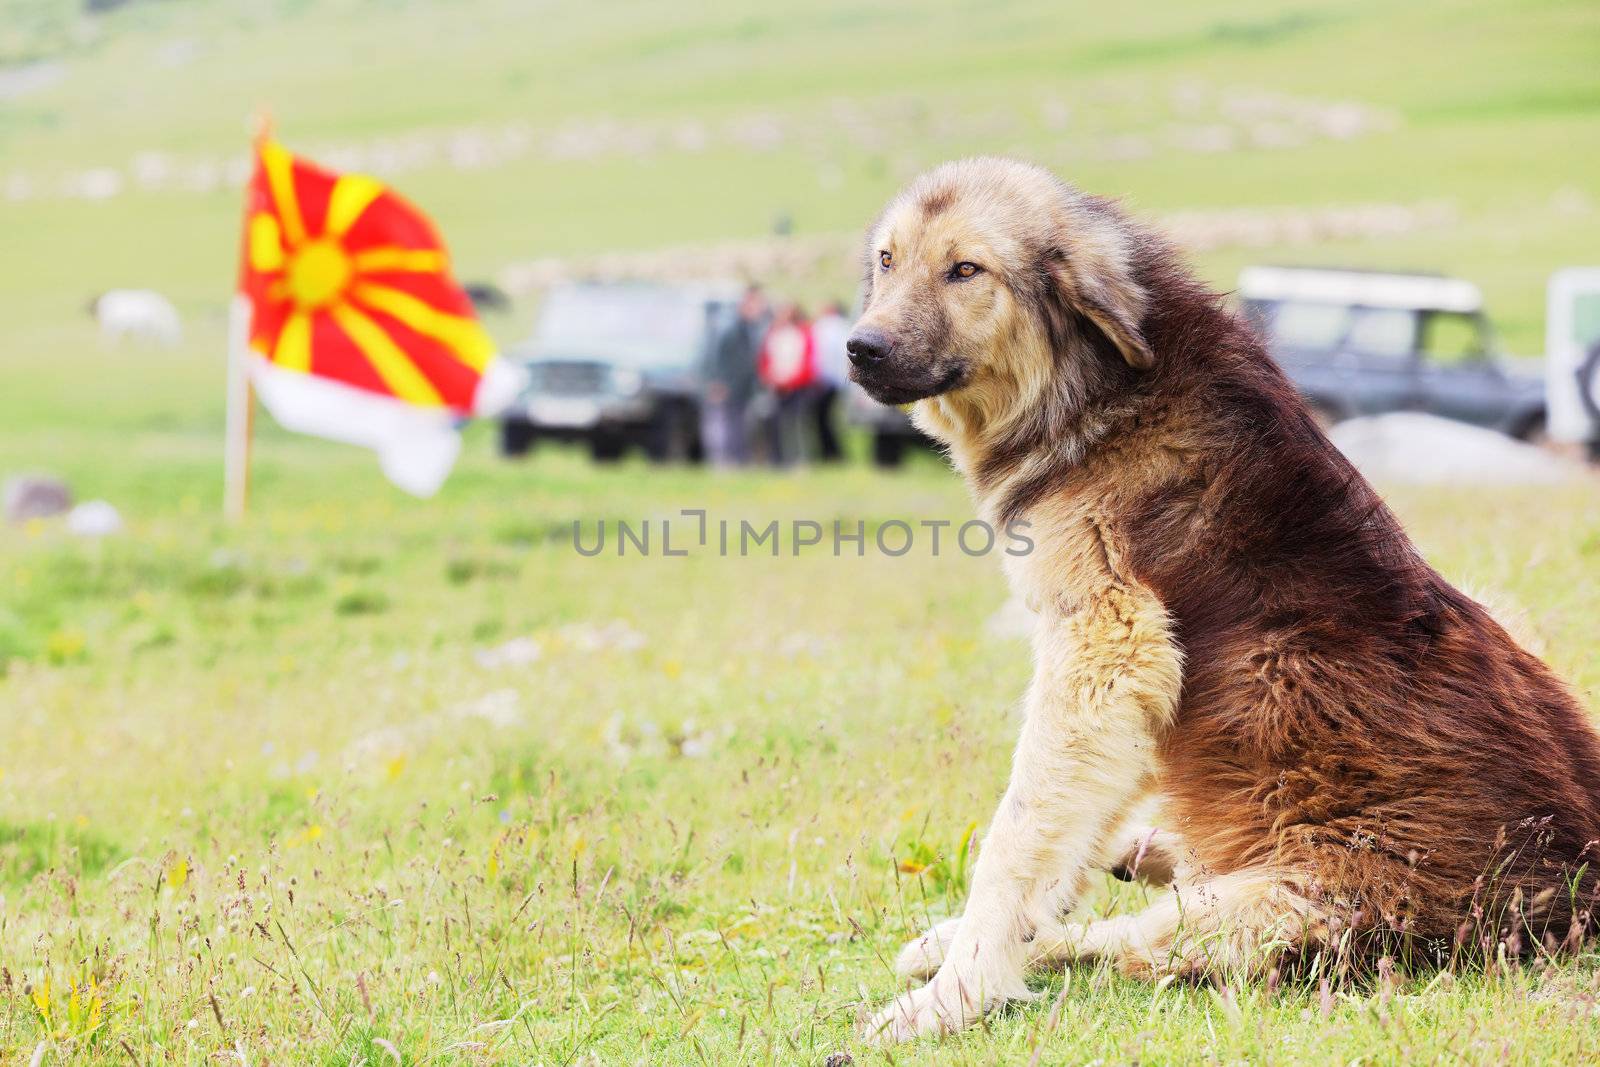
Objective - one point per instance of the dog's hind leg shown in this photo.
(1234, 925)
(1137, 851)
(1144, 853)
(922, 957)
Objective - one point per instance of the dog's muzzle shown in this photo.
(891, 374)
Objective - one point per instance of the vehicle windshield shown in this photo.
(1383, 331)
(1586, 320)
(1326, 327)
(637, 326)
(1300, 325)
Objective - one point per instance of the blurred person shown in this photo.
(731, 383)
(829, 332)
(788, 367)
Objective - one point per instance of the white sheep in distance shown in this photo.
(138, 315)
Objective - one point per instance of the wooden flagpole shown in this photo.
(241, 396)
(240, 414)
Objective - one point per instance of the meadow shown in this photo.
(367, 779)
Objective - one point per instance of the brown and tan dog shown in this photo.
(1228, 619)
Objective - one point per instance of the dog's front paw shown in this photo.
(948, 1003)
(923, 956)
(936, 1008)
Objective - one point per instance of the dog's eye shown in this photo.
(885, 259)
(964, 270)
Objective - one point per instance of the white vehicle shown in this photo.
(1572, 357)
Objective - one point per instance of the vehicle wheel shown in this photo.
(671, 438)
(1589, 384)
(606, 448)
(516, 437)
(888, 450)
(1534, 429)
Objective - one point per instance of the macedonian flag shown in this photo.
(357, 331)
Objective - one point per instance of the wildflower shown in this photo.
(65, 645)
(304, 837)
(84, 1006)
(177, 872)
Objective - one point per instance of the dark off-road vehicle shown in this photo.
(619, 366)
(1367, 342)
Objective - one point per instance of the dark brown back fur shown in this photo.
(1345, 711)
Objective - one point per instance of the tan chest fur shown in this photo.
(1080, 530)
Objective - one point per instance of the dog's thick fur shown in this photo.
(1229, 621)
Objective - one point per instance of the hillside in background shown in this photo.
(1462, 137)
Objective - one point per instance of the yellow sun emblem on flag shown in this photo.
(348, 281)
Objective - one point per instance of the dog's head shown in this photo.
(990, 279)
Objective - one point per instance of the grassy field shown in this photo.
(372, 771)
(367, 779)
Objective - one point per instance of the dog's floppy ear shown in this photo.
(1115, 310)
(1091, 271)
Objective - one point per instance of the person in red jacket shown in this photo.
(787, 366)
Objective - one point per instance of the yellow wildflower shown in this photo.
(64, 645)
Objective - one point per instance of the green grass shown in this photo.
(266, 765)
(259, 785)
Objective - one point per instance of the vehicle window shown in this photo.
(636, 325)
(1302, 325)
(1451, 338)
(1383, 331)
(1586, 320)
(1258, 313)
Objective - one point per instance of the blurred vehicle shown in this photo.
(1572, 357)
(619, 366)
(486, 297)
(1366, 342)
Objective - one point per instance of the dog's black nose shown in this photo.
(867, 345)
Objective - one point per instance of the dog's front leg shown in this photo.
(1105, 683)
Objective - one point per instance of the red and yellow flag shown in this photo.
(349, 282)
